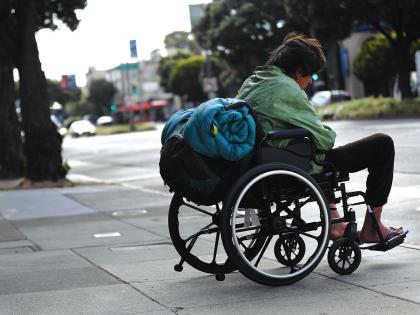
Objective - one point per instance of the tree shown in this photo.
(376, 66)
(336, 19)
(101, 95)
(166, 64)
(42, 145)
(185, 78)
(11, 155)
(388, 17)
(181, 41)
(241, 33)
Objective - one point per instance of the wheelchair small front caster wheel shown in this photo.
(344, 256)
(289, 249)
(178, 267)
(220, 276)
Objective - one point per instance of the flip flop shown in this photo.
(392, 232)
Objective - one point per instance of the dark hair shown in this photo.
(298, 53)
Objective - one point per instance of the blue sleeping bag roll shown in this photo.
(215, 130)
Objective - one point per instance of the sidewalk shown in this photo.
(105, 249)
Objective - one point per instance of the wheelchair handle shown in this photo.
(288, 133)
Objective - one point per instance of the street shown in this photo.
(103, 246)
(132, 159)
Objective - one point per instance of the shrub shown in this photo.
(371, 107)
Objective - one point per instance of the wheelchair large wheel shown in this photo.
(286, 209)
(195, 234)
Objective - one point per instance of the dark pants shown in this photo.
(376, 153)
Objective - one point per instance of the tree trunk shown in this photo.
(42, 144)
(11, 158)
(402, 50)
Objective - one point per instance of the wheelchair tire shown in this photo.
(344, 256)
(289, 249)
(200, 260)
(280, 199)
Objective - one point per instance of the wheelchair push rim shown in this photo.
(283, 218)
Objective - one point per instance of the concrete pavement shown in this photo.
(105, 249)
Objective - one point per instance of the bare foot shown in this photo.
(337, 229)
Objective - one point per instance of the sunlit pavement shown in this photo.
(103, 247)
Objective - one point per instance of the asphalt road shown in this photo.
(132, 160)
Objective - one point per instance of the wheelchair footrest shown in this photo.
(390, 244)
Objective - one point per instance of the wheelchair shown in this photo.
(273, 224)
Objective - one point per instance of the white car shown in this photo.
(323, 98)
(82, 128)
(104, 121)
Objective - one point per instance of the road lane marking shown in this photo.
(128, 213)
(111, 234)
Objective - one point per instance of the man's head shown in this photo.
(299, 56)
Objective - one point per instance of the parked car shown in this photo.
(104, 121)
(322, 98)
(82, 128)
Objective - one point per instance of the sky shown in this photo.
(106, 27)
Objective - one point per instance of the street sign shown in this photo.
(210, 85)
(133, 48)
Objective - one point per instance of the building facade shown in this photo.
(135, 82)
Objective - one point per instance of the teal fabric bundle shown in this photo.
(215, 130)
(175, 124)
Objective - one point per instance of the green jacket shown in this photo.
(281, 104)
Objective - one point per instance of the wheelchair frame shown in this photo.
(344, 254)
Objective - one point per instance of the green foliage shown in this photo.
(101, 94)
(375, 60)
(375, 64)
(325, 19)
(370, 107)
(166, 65)
(181, 41)
(185, 78)
(50, 10)
(242, 33)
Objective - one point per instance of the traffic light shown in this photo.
(114, 107)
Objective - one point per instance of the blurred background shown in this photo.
(86, 67)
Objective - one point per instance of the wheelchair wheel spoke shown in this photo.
(216, 244)
(268, 240)
(196, 208)
(201, 231)
(286, 249)
(250, 228)
(306, 234)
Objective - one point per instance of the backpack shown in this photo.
(198, 178)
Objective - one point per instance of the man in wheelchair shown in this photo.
(276, 93)
(275, 209)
